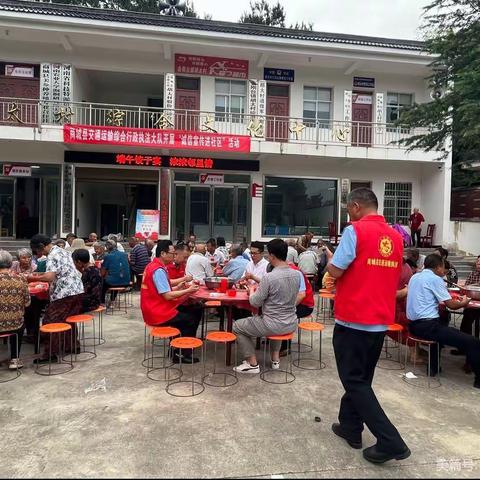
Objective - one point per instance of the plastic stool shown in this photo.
(59, 329)
(185, 343)
(310, 327)
(388, 362)
(222, 338)
(323, 304)
(18, 372)
(116, 305)
(82, 320)
(428, 344)
(289, 376)
(307, 348)
(98, 340)
(210, 304)
(164, 334)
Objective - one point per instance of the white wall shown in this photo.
(466, 237)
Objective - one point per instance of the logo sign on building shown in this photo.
(211, 66)
(364, 82)
(362, 99)
(19, 71)
(252, 97)
(155, 138)
(17, 171)
(279, 74)
(147, 224)
(257, 190)
(211, 178)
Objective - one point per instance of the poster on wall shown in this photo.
(147, 224)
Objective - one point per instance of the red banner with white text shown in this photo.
(155, 138)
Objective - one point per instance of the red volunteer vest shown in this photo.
(175, 271)
(366, 292)
(309, 300)
(155, 309)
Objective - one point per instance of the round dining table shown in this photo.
(240, 300)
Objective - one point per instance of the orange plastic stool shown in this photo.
(220, 338)
(196, 387)
(18, 372)
(165, 334)
(56, 329)
(268, 375)
(81, 320)
(98, 340)
(116, 304)
(387, 362)
(210, 304)
(323, 305)
(420, 375)
(310, 327)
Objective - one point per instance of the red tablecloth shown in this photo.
(205, 294)
(39, 290)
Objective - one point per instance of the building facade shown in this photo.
(240, 131)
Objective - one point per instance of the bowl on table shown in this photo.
(212, 283)
(472, 291)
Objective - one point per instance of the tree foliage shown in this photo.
(452, 30)
(302, 26)
(262, 13)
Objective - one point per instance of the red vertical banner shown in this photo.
(164, 201)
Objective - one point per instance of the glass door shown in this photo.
(223, 221)
(50, 206)
(241, 221)
(7, 208)
(200, 216)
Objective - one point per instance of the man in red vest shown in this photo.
(367, 266)
(160, 301)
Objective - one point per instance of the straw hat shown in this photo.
(77, 244)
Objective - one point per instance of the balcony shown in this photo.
(292, 130)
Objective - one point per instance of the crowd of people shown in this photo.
(410, 289)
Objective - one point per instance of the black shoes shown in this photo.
(373, 455)
(185, 360)
(337, 430)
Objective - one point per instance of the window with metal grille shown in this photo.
(397, 203)
(230, 100)
(397, 103)
(317, 106)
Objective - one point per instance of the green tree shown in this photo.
(263, 14)
(452, 30)
(302, 26)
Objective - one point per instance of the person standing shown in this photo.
(415, 223)
(139, 259)
(368, 259)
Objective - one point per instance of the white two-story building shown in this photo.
(234, 130)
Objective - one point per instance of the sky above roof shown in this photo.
(376, 18)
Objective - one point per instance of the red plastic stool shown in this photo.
(220, 338)
(165, 334)
(268, 374)
(81, 320)
(56, 329)
(310, 327)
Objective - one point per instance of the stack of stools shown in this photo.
(17, 372)
(116, 305)
(78, 322)
(317, 362)
(226, 379)
(269, 375)
(207, 306)
(194, 387)
(431, 382)
(61, 330)
(323, 305)
(389, 361)
(165, 335)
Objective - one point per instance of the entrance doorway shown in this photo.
(278, 110)
(362, 104)
(211, 211)
(187, 98)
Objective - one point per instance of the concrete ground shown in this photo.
(55, 427)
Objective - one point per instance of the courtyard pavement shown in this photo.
(71, 426)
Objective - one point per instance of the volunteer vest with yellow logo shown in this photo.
(366, 292)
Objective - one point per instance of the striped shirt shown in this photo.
(139, 258)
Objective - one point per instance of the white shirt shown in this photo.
(120, 247)
(198, 267)
(307, 262)
(258, 270)
(292, 255)
(217, 257)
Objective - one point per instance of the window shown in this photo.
(396, 103)
(397, 204)
(230, 98)
(294, 205)
(317, 106)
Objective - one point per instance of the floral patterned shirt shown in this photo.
(68, 281)
(14, 297)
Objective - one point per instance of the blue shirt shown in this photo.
(235, 268)
(160, 279)
(303, 287)
(425, 291)
(118, 269)
(342, 258)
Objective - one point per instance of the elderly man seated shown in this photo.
(277, 296)
(198, 265)
(235, 268)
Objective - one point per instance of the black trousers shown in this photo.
(356, 354)
(184, 322)
(416, 233)
(444, 335)
(470, 315)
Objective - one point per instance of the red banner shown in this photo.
(150, 137)
(211, 66)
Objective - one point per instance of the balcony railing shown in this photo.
(24, 112)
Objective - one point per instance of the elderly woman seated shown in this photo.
(91, 279)
(99, 251)
(24, 264)
(14, 297)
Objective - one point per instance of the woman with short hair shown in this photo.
(14, 297)
(24, 264)
(91, 279)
